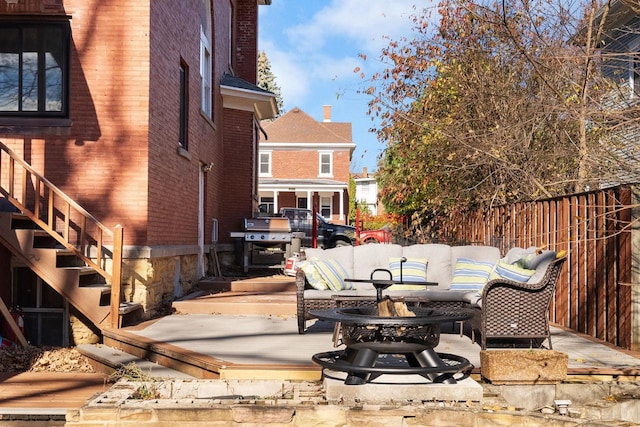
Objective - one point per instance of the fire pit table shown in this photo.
(367, 336)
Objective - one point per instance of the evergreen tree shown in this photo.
(267, 80)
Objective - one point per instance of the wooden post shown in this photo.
(116, 277)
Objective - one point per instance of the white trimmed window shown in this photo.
(265, 163)
(205, 73)
(325, 167)
(325, 207)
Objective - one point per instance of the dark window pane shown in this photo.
(9, 68)
(50, 298)
(54, 61)
(51, 332)
(25, 287)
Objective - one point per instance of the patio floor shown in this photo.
(254, 335)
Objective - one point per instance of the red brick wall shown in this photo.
(246, 35)
(238, 201)
(103, 162)
(119, 158)
(301, 164)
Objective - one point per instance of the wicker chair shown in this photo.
(515, 310)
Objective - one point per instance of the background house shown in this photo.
(145, 114)
(305, 162)
(620, 60)
(367, 191)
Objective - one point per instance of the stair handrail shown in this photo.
(41, 183)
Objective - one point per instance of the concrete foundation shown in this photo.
(276, 403)
(388, 389)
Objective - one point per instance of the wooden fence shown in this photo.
(598, 290)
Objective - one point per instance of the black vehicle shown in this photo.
(329, 235)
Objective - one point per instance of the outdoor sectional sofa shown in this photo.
(505, 306)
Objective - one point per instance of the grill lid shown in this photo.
(267, 225)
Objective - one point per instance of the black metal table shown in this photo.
(368, 336)
(382, 284)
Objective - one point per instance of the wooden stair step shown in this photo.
(108, 359)
(242, 303)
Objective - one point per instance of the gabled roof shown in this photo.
(297, 126)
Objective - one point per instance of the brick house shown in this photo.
(145, 115)
(305, 163)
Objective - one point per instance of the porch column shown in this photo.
(342, 206)
(275, 202)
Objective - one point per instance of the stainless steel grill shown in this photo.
(267, 230)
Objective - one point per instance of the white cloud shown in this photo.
(362, 24)
(291, 75)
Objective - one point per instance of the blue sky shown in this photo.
(313, 47)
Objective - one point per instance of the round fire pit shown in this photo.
(368, 335)
(364, 325)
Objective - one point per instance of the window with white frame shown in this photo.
(265, 163)
(267, 205)
(325, 167)
(364, 188)
(205, 73)
(301, 202)
(325, 207)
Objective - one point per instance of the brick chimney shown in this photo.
(326, 113)
(364, 172)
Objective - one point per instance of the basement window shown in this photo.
(46, 313)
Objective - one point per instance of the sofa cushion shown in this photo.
(313, 275)
(368, 257)
(532, 261)
(412, 270)
(471, 275)
(333, 274)
(514, 254)
(342, 254)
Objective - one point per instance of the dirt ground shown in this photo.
(43, 359)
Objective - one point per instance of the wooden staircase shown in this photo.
(61, 242)
(81, 285)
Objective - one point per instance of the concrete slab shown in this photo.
(396, 389)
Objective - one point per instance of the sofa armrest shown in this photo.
(301, 280)
(550, 277)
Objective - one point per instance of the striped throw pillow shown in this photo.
(313, 275)
(470, 275)
(513, 272)
(413, 269)
(333, 274)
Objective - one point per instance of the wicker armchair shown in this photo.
(519, 310)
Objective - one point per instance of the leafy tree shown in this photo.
(499, 103)
(267, 80)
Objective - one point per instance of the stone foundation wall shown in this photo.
(81, 330)
(156, 282)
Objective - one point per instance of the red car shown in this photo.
(382, 235)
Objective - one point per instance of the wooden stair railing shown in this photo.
(64, 220)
